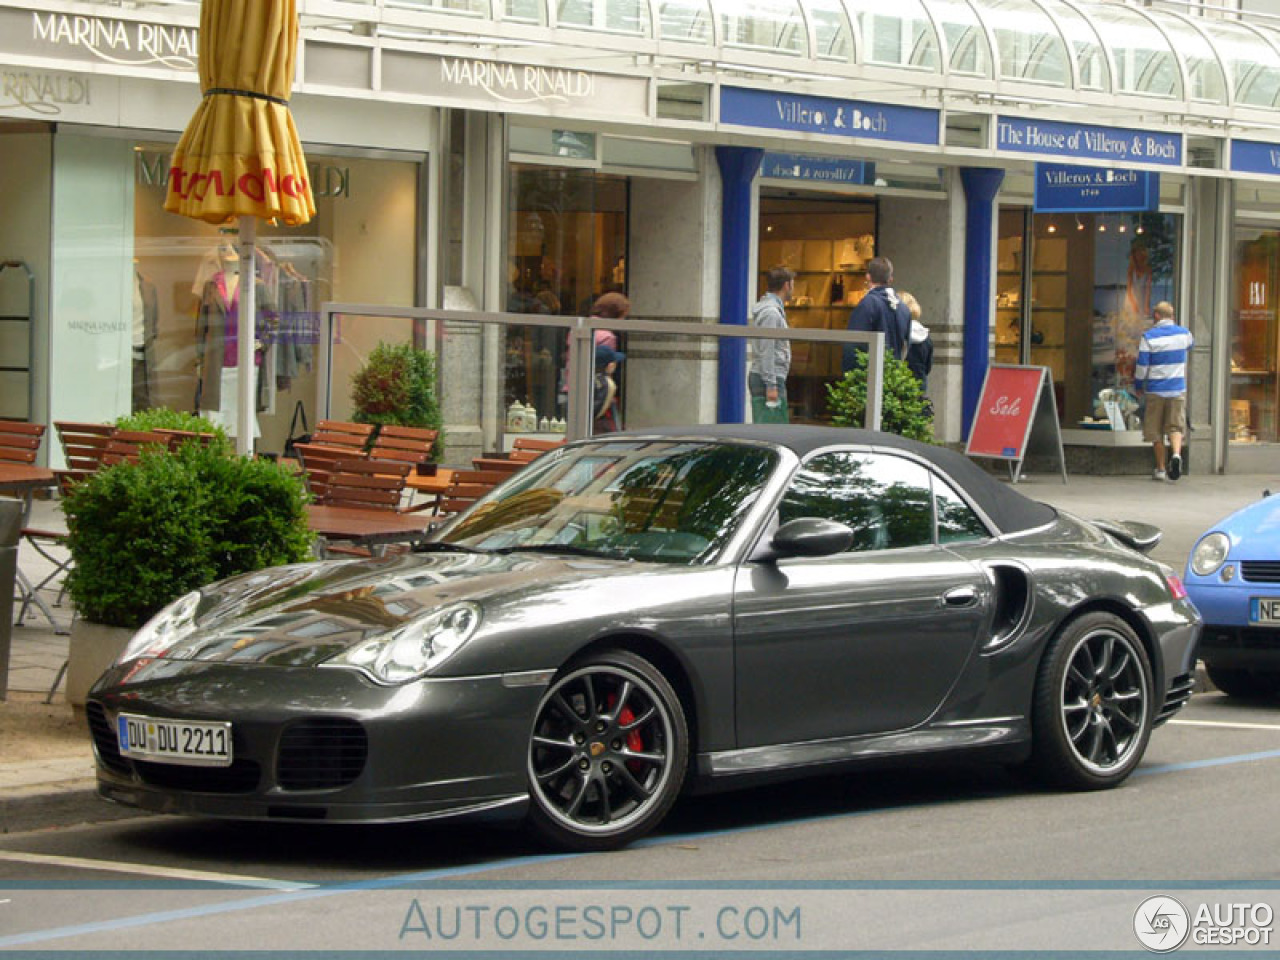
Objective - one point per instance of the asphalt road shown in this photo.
(944, 857)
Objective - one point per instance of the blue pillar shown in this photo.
(980, 186)
(738, 166)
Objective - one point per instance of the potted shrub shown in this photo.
(904, 409)
(141, 535)
(397, 385)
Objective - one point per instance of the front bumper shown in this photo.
(1241, 648)
(1229, 639)
(1227, 605)
(320, 744)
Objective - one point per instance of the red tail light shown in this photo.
(1175, 587)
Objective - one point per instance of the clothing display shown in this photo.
(146, 328)
(287, 327)
(217, 336)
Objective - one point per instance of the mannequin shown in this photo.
(217, 326)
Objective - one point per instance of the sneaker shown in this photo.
(1175, 466)
(1159, 475)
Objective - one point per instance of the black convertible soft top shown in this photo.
(1008, 509)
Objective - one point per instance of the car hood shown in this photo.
(1256, 528)
(307, 613)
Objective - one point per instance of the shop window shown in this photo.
(827, 242)
(1254, 338)
(1081, 300)
(566, 247)
(185, 324)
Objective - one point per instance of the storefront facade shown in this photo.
(714, 146)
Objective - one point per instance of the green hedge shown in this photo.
(162, 418)
(143, 534)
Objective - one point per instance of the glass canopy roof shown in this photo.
(1101, 47)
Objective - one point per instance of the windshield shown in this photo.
(665, 500)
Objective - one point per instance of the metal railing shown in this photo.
(581, 334)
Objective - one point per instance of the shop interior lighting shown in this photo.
(1102, 228)
(1052, 228)
(1079, 225)
(1122, 228)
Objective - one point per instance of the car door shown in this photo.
(862, 642)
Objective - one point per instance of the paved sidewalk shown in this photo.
(59, 788)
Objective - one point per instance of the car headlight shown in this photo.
(413, 650)
(1209, 554)
(159, 634)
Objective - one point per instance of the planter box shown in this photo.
(93, 648)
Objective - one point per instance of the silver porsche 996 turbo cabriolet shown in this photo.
(637, 615)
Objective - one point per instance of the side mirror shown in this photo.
(811, 537)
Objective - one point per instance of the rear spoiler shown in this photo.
(1142, 537)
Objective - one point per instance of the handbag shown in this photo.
(294, 438)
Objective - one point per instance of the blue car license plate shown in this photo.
(191, 743)
(1264, 610)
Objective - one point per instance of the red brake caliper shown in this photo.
(634, 741)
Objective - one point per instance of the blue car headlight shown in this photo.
(413, 650)
(1209, 554)
(165, 630)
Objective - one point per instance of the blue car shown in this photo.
(1233, 577)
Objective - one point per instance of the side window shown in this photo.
(886, 500)
(956, 520)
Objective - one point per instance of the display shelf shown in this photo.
(1102, 438)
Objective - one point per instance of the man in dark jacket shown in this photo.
(879, 310)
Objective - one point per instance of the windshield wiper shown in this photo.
(440, 546)
(566, 548)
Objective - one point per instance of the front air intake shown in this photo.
(322, 753)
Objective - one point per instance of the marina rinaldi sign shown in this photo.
(835, 117)
(97, 39)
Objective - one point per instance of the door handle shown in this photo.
(960, 597)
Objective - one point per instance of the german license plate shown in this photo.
(1264, 610)
(190, 742)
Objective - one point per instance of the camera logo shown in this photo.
(1161, 924)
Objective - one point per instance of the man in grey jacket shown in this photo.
(771, 359)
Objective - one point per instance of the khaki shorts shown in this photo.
(1165, 415)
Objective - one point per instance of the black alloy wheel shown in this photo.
(1093, 710)
(608, 753)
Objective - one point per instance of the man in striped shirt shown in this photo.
(1161, 374)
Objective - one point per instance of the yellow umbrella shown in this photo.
(240, 155)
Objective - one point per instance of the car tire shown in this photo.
(608, 753)
(1093, 706)
(1244, 684)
